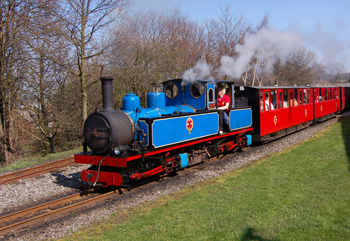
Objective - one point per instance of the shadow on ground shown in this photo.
(71, 180)
(251, 234)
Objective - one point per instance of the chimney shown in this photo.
(107, 94)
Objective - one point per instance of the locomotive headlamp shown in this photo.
(117, 150)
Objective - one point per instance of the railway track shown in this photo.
(35, 171)
(40, 213)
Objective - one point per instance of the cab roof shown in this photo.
(202, 80)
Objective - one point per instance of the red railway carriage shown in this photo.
(278, 111)
(327, 102)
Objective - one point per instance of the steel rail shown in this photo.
(51, 213)
(35, 171)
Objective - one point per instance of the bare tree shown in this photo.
(299, 68)
(223, 35)
(14, 19)
(83, 24)
(41, 77)
(159, 47)
(230, 32)
(40, 87)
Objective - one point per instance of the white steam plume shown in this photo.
(199, 71)
(267, 45)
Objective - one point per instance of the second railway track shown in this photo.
(34, 171)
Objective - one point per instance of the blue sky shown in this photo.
(325, 24)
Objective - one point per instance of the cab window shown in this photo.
(197, 89)
(171, 90)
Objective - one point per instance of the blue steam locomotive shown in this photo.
(179, 128)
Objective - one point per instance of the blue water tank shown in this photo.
(156, 100)
(131, 102)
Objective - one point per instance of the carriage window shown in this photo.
(300, 97)
(291, 98)
(171, 90)
(285, 99)
(308, 96)
(316, 95)
(280, 100)
(295, 99)
(274, 99)
(332, 94)
(326, 94)
(305, 96)
(319, 95)
(267, 100)
(261, 101)
(197, 89)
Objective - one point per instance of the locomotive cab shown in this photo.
(199, 94)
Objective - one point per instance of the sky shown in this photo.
(324, 24)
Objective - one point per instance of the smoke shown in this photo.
(200, 71)
(266, 45)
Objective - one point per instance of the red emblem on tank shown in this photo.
(275, 120)
(189, 125)
(305, 112)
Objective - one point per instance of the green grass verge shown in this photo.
(36, 160)
(300, 194)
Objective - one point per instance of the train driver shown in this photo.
(223, 103)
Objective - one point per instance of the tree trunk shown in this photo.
(82, 66)
(50, 139)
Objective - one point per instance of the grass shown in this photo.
(300, 194)
(36, 160)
